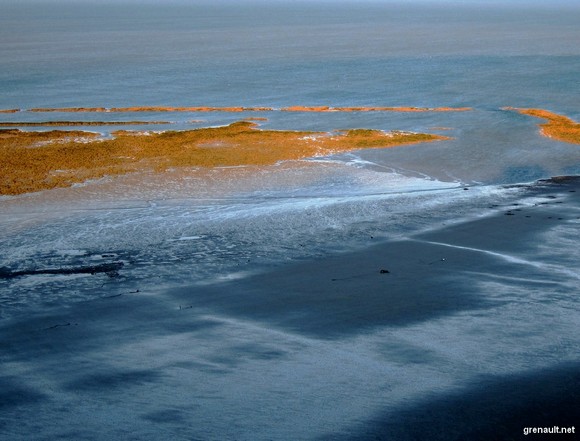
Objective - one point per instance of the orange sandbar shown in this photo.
(152, 109)
(69, 109)
(190, 109)
(373, 109)
(252, 109)
(9, 110)
(557, 126)
(79, 123)
(34, 161)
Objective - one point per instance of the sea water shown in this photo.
(201, 227)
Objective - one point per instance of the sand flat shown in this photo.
(424, 276)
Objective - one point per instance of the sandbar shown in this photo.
(69, 109)
(250, 109)
(35, 161)
(152, 109)
(557, 127)
(373, 109)
(80, 123)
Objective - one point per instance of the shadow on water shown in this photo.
(354, 293)
(496, 408)
(396, 283)
(13, 393)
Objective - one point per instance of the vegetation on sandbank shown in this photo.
(34, 161)
(557, 126)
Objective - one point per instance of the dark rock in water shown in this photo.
(111, 269)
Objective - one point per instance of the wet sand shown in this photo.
(404, 282)
(253, 358)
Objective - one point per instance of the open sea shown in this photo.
(202, 228)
